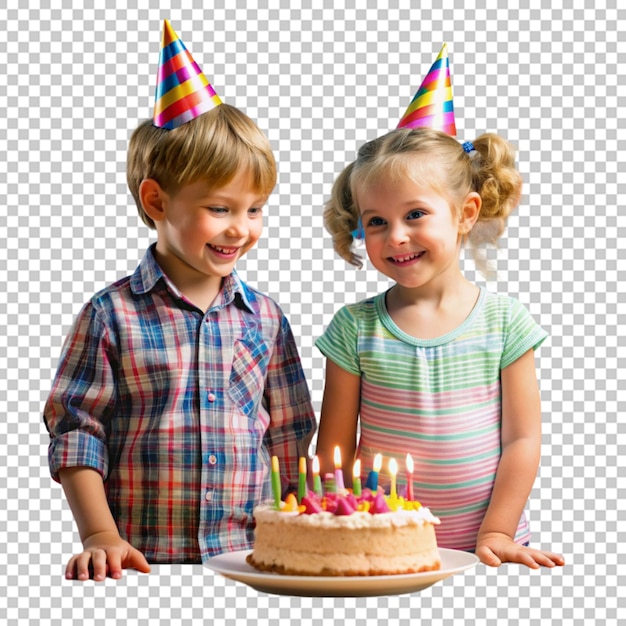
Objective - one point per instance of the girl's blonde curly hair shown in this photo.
(490, 171)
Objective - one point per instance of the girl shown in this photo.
(436, 366)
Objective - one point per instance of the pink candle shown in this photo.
(338, 472)
(409, 477)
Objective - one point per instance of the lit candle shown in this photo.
(409, 477)
(317, 481)
(356, 478)
(372, 479)
(338, 471)
(393, 470)
(276, 491)
(301, 479)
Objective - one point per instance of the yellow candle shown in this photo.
(393, 470)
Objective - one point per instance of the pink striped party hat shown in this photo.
(432, 104)
(183, 92)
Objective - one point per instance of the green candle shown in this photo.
(276, 491)
(356, 478)
(301, 479)
(317, 481)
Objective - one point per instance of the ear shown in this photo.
(152, 195)
(469, 212)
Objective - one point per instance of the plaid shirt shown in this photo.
(180, 411)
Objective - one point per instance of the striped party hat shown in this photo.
(432, 104)
(183, 92)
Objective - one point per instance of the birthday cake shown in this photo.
(345, 535)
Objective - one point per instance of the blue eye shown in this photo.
(416, 214)
(218, 209)
(376, 221)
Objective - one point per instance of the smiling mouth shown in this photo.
(223, 250)
(406, 258)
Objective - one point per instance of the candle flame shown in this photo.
(302, 465)
(274, 464)
(316, 464)
(393, 467)
(378, 462)
(356, 471)
(337, 458)
(409, 463)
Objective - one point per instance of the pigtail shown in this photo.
(496, 178)
(341, 217)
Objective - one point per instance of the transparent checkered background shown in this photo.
(73, 85)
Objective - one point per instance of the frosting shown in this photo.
(358, 519)
(346, 504)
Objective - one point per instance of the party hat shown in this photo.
(183, 92)
(432, 104)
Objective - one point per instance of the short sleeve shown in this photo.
(339, 341)
(522, 334)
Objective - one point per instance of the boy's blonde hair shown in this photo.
(213, 147)
(448, 169)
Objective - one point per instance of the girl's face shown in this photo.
(412, 233)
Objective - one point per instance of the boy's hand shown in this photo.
(496, 548)
(103, 554)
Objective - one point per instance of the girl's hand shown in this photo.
(496, 548)
(105, 554)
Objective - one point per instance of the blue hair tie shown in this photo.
(468, 146)
(358, 232)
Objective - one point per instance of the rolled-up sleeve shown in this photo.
(83, 397)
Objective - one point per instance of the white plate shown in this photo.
(233, 565)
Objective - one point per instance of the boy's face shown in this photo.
(202, 232)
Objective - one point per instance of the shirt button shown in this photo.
(211, 397)
(208, 496)
(212, 459)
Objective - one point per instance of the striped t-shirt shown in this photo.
(439, 399)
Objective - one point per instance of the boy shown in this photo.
(177, 384)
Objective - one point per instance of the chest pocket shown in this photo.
(247, 376)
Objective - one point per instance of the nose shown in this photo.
(398, 233)
(238, 227)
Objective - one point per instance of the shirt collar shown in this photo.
(149, 273)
